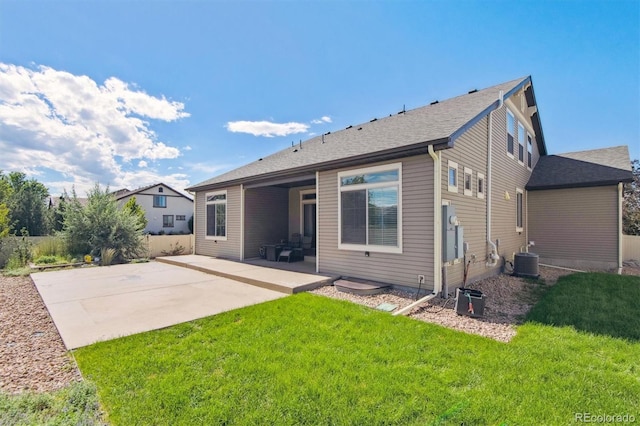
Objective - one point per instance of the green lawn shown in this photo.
(306, 359)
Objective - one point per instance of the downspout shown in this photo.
(493, 256)
(193, 226)
(317, 222)
(241, 222)
(437, 233)
(620, 228)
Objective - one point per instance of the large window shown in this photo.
(370, 210)
(511, 132)
(216, 218)
(520, 143)
(519, 210)
(160, 201)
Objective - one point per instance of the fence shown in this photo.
(155, 245)
(164, 245)
(631, 247)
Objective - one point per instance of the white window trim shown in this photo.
(529, 135)
(484, 185)
(509, 113)
(226, 228)
(453, 165)
(519, 228)
(523, 144)
(374, 169)
(302, 204)
(469, 172)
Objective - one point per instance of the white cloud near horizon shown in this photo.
(87, 132)
(266, 128)
(322, 120)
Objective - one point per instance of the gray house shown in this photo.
(408, 199)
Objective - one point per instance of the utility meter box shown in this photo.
(449, 221)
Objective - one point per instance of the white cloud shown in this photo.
(266, 128)
(321, 120)
(85, 131)
(187, 148)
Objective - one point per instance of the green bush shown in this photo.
(51, 246)
(46, 260)
(101, 224)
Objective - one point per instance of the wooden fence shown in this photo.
(631, 247)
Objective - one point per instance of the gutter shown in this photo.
(437, 233)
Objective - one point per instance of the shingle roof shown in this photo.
(598, 167)
(439, 123)
(123, 193)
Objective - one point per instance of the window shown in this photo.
(519, 209)
(453, 176)
(167, 221)
(160, 201)
(161, 189)
(468, 173)
(480, 185)
(529, 150)
(216, 218)
(181, 217)
(520, 143)
(511, 131)
(370, 208)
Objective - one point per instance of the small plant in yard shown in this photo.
(176, 250)
(107, 256)
(51, 246)
(46, 260)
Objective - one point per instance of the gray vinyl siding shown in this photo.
(576, 227)
(417, 230)
(266, 212)
(470, 151)
(508, 174)
(230, 248)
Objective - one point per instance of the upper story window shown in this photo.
(370, 209)
(529, 150)
(521, 143)
(468, 188)
(160, 201)
(511, 133)
(453, 176)
(216, 217)
(161, 189)
(481, 189)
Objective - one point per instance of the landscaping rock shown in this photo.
(32, 355)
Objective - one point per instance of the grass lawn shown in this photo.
(306, 359)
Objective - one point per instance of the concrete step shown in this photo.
(360, 287)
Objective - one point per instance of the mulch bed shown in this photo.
(32, 355)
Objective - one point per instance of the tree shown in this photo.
(136, 210)
(26, 202)
(56, 214)
(631, 202)
(101, 225)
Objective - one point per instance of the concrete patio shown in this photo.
(260, 275)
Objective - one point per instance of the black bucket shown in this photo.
(469, 302)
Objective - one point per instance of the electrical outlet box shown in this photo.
(421, 279)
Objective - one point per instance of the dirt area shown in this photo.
(32, 355)
(508, 300)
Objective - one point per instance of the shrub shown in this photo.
(107, 255)
(46, 260)
(87, 229)
(51, 246)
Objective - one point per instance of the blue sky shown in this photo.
(128, 93)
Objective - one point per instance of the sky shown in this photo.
(131, 93)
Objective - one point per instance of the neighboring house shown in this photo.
(167, 210)
(407, 198)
